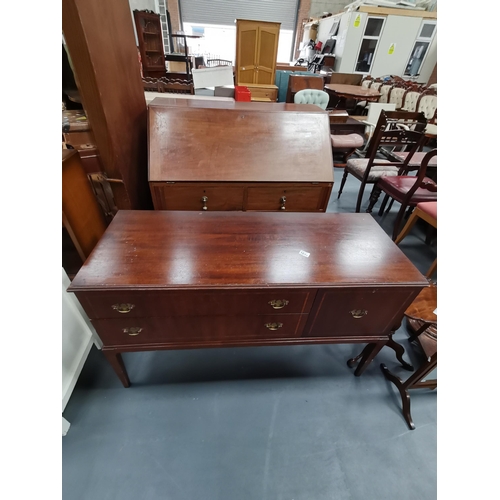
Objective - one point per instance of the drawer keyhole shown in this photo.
(204, 200)
(283, 201)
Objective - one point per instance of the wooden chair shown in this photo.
(426, 211)
(422, 318)
(384, 90)
(211, 63)
(408, 190)
(427, 104)
(397, 95)
(391, 131)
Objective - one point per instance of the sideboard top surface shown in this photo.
(169, 250)
(194, 144)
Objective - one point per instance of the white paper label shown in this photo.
(305, 254)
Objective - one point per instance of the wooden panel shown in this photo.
(334, 311)
(82, 216)
(198, 329)
(101, 43)
(397, 12)
(233, 145)
(301, 82)
(170, 250)
(246, 48)
(267, 52)
(297, 199)
(264, 91)
(189, 196)
(99, 305)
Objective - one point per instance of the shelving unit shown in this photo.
(149, 35)
(179, 56)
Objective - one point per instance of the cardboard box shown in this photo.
(224, 91)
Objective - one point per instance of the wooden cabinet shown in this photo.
(177, 280)
(149, 36)
(263, 93)
(256, 51)
(239, 158)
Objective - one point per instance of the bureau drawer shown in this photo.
(195, 303)
(180, 196)
(263, 92)
(358, 311)
(185, 330)
(291, 199)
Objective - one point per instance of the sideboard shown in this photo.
(180, 279)
(239, 159)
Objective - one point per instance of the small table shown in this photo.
(355, 92)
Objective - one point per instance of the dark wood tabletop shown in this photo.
(353, 91)
(268, 107)
(157, 250)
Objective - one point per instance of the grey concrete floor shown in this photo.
(253, 423)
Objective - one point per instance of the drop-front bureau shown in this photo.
(178, 280)
(239, 158)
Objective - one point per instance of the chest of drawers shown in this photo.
(178, 280)
(239, 158)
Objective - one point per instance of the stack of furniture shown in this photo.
(256, 55)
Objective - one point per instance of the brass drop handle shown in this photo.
(283, 201)
(278, 304)
(358, 313)
(132, 331)
(204, 200)
(273, 326)
(123, 308)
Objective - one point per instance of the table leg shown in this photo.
(116, 361)
(371, 351)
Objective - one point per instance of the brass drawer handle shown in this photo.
(358, 313)
(123, 308)
(132, 331)
(283, 201)
(278, 304)
(204, 200)
(273, 326)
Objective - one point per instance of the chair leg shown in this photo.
(344, 178)
(390, 206)
(374, 195)
(384, 203)
(397, 224)
(360, 197)
(432, 269)
(408, 226)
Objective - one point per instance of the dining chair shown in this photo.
(390, 131)
(426, 211)
(408, 190)
(312, 96)
(427, 104)
(397, 94)
(384, 90)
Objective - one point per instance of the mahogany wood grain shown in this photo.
(352, 91)
(101, 43)
(233, 145)
(218, 279)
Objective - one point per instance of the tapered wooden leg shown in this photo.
(384, 203)
(351, 362)
(369, 355)
(404, 232)
(405, 397)
(374, 196)
(116, 361)
(360, 197)
(342, 184)
(432, 269)
(397, 223)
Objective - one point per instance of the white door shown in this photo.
(421, 49)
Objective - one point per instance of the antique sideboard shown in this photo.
(225, 156)
(186, 279)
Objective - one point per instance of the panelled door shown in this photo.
(256, 52)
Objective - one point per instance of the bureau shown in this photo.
(239, 158)
(179, 280)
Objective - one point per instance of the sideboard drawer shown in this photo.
(185, 330)
(357, 311)
(195, 303)
(181, 196)
(291, 199)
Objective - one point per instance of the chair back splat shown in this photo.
(312, 96)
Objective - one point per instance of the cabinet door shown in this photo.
(267, 52)
(246, 43)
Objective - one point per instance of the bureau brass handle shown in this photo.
(358, 313)
(132, 331)
(204, 200)
(273, 326)
(278, 304)
(123, 308)
(283, 201)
